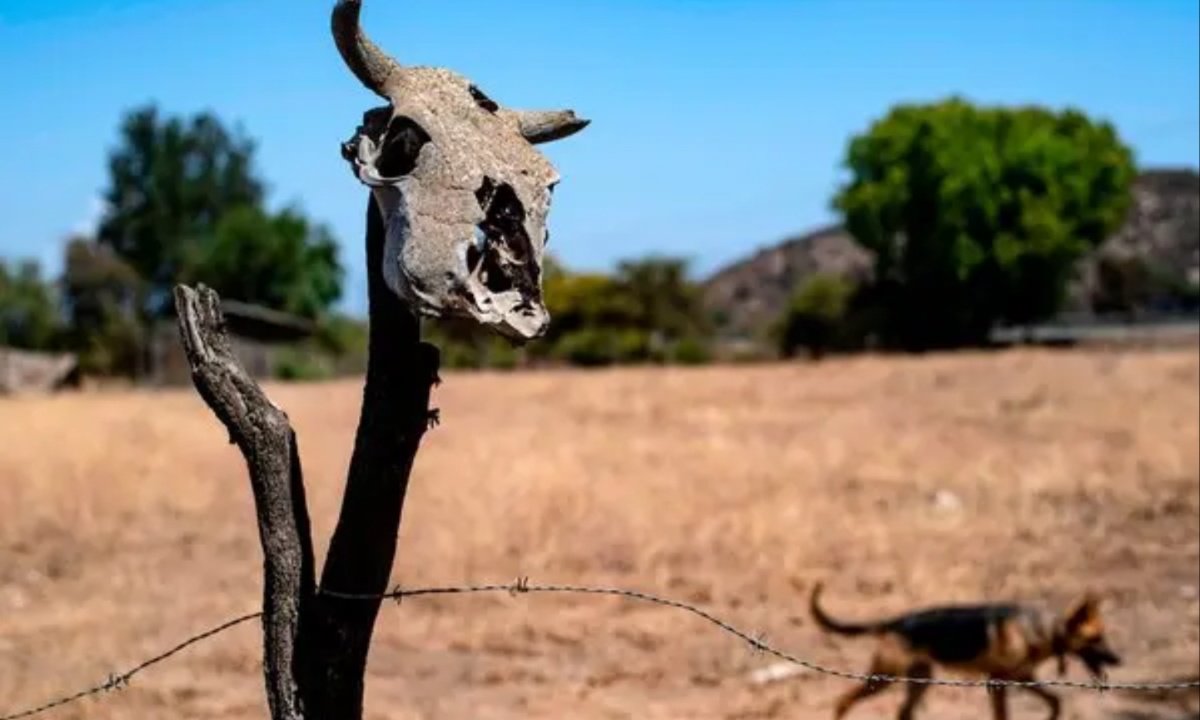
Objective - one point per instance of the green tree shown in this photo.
(667, 300)
(817, 316)
(184, 202)
(29, 317)
(282, 261)
(171, 180)
(670, 307)
(579, 300)
(100, 294)
(593, 321)
(977, 215)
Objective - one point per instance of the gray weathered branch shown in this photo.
(265, 437)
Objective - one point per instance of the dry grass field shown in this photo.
(126, 524)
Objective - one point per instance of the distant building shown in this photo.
(257, 334)
(24, 371)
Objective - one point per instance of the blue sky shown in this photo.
(718, 125)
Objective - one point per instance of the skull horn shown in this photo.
(372, 66)
(543, 126)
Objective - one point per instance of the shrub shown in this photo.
(817, 317)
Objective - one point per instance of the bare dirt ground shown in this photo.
(126, 524)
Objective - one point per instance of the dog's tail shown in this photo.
(829, 624)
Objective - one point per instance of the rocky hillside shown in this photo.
(1163, 227)
(746, 295)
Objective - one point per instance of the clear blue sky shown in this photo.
(717, 128)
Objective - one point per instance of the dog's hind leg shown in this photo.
(1052, 700)
(915, 691)
(868, 687)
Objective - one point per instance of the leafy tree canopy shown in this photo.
(977, 215)
(29, 317)
(184, 202)
(282, 261)
(100, 292)
(816, 315)
(667, 300)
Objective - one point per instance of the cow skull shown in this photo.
(462, 191)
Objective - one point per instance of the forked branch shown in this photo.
(267, 442)
(316, 646)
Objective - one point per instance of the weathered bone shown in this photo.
(463, 193)
(541, 126)
(372, 66)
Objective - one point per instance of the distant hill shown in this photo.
(1163, 228)
(748, 294)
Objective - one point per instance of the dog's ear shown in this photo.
(1083, 612)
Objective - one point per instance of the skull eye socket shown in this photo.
(482, 100)
(402, 143)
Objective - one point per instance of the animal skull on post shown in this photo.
(463, 193)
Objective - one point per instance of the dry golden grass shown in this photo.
(126, 524)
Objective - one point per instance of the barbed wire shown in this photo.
(758, 643)
(118, 681)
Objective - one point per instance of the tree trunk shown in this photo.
(316, 646)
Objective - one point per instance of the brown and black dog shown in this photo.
(1000, 641)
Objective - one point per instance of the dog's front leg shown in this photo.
(999, 697)
(1052, 700)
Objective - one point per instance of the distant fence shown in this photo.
(1163, 330)
(756, 642)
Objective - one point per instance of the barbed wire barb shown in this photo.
(521, 586)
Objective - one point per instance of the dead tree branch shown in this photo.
(265, 437)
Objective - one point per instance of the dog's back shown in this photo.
(969, 635)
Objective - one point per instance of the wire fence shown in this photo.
(758, 643)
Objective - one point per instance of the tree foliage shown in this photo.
(648, 310)
(666, 300)
(977, 215)
(171, 181)
(185, 203)
(817, 316)
(282, 261)
(29, 318)
(100, 295)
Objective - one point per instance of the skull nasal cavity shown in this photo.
(503, 223)
(402, 144)
(501, 204)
